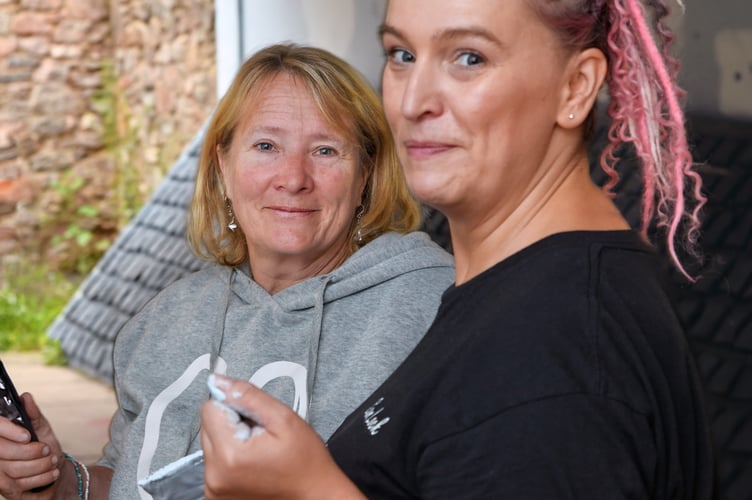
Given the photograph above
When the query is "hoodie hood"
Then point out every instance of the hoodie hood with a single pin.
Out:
(383, 259)
(386, 257)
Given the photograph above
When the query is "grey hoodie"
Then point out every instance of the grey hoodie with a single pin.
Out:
(321, 346)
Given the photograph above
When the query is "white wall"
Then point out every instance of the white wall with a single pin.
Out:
(348, 28)
(714, 44)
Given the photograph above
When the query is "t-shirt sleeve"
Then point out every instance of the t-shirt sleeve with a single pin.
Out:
(572, 446)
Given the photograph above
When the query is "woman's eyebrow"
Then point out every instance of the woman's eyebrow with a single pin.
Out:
(267, 129)
(467, 31)
(448, 33)
(385, 29)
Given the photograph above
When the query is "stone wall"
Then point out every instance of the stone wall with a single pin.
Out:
(97, 100)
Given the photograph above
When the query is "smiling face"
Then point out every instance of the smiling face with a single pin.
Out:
(472, 91)
(293, 180)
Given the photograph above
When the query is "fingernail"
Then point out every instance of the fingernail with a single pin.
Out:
(54, 459)
(222, 381)
(216, 385)
(46, 451)
(55, 473)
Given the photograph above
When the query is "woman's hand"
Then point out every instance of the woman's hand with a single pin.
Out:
(280, 457)
(25, 464)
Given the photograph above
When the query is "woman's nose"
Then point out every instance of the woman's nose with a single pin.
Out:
(294, 174)
(421, 93)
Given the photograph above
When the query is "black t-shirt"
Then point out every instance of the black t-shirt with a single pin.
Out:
(561, 372)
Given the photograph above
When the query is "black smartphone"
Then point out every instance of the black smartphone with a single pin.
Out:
(11, 406)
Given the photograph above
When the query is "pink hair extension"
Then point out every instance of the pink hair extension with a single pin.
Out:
(630, 88)
(644, 107)
(643, 92)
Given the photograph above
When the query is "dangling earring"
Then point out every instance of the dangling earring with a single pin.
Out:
(358, 230)
(232, 225)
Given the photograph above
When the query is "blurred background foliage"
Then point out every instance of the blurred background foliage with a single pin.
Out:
(30, 299)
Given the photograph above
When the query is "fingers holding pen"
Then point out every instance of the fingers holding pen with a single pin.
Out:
(279, 456)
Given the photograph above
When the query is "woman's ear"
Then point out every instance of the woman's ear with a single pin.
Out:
(586, 73)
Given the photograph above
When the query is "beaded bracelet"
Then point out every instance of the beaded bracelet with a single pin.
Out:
(88, 480)
(79, 477)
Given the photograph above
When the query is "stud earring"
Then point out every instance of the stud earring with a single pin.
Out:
(232, 225)
(571, 116)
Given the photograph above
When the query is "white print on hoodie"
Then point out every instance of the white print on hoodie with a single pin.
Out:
(264, 375)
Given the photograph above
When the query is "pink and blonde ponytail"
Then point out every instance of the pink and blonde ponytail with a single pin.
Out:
(644, 107)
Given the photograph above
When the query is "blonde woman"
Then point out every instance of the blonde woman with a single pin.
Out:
(321, 286)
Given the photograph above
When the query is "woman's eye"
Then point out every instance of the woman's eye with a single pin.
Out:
(470, 59)
(326, 151)
(400, 56)
(264, 146)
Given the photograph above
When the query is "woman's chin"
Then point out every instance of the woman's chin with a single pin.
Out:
(304, 248)
(433, 193)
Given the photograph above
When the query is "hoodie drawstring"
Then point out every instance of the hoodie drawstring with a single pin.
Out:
(216, 341)
(220, 322)
(315, 340)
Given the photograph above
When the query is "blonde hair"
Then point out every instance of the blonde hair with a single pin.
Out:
(348, 103)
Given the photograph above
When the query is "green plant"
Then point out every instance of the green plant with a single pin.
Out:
(75, 238)
(121, 141)
(80, 226)
(30, 299)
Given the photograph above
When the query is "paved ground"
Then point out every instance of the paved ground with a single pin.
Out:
(78, 407)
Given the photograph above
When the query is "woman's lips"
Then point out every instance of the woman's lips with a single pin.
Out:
(291, 211)
(426, 149)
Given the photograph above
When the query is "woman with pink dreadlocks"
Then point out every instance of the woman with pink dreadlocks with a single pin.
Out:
(556, 367)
